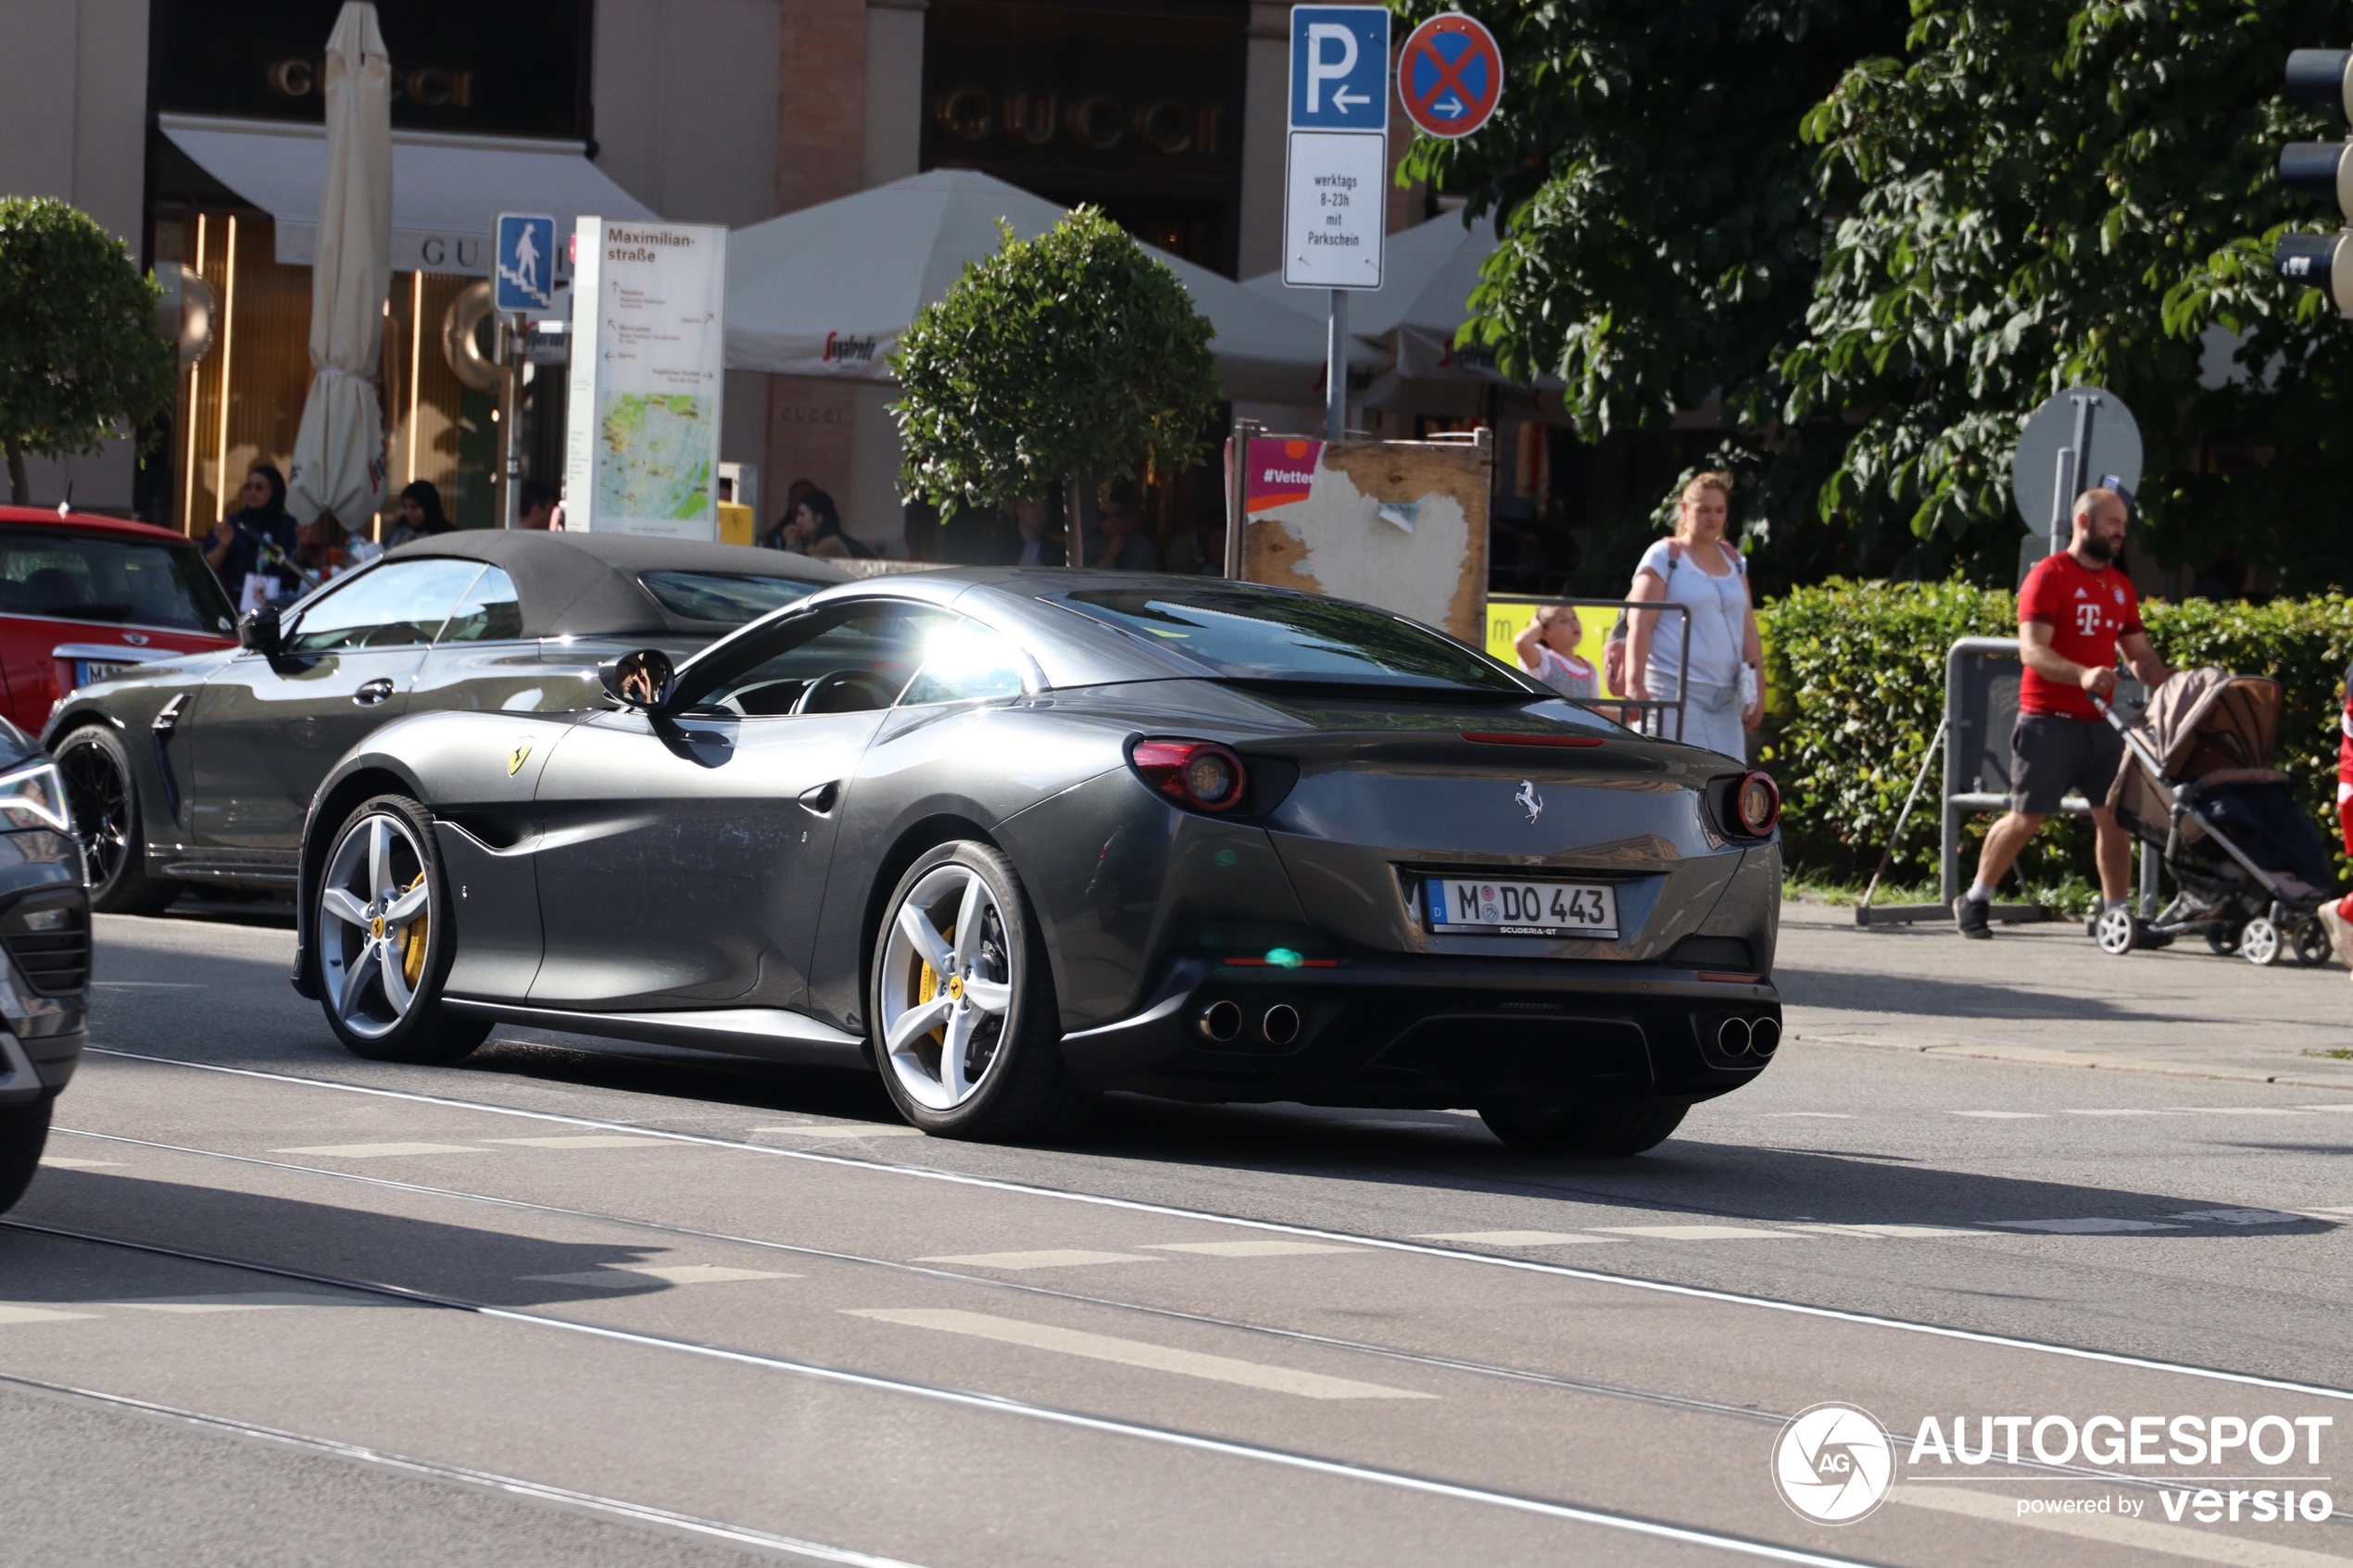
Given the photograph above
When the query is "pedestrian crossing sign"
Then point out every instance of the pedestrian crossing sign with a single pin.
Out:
(525, 280)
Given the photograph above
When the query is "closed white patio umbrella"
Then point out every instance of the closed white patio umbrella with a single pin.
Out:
(827, 291)
(339, 453)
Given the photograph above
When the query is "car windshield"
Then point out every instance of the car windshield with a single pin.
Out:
(72, 575)
(1242, 634)
(721, 595)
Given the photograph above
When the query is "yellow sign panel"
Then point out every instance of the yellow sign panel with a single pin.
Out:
(1506, 618)
(735, 523)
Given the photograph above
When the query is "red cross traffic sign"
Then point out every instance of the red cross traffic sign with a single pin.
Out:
(1450, 75)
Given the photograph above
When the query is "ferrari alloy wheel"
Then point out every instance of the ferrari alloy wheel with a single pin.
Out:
(2260, 942)
(97, 769)
(383, 938)
(1612, 1131)
(965, 1024)
(2116, 931)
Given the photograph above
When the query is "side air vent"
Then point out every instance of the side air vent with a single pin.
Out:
(47, 935)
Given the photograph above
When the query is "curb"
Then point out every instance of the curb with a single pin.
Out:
(2028, 1056)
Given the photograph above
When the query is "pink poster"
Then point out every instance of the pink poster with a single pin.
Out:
(1281, 469)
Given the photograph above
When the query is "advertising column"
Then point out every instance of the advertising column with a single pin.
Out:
(647, 363)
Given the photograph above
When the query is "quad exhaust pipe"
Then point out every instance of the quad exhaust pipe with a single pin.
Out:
(1219, 1022)
(1738, 1038)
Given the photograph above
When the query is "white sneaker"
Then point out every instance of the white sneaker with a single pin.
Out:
(2340, 932)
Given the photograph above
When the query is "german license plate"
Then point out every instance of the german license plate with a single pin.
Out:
(1522, 908)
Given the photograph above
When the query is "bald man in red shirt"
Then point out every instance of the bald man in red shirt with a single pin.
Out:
(2076, 610)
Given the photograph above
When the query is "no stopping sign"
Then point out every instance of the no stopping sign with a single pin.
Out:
(1450, 75)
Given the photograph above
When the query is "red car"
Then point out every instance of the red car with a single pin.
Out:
(82, 597)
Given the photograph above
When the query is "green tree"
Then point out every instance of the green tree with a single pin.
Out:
(1660, 218)
(80, 361)
(2050, 194)
(1071, 355)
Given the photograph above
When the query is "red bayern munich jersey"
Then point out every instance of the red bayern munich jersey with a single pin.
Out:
(2087, 611)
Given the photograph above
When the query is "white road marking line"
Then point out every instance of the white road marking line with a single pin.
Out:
(2241, 1216)
(382, 1150)
(2123, 1111)
(1276, 1227)
(2084, 1227)
(1051, 1258)
(2142, 1535)
(1898, 1233)
(62, 1163)
(12, 1311)
(629, 1276)
(2236, 1110)
(1816, 1115)
(236, 1301)
(1249, 1248)
(855, 1130)
(1512, 1238)
(2347, 1105)
(1135, 1353)
(1698, 1233)
(149, 985)
(2006, 1115)
(588, 1140)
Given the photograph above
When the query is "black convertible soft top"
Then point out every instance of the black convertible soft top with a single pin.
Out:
(586, 584)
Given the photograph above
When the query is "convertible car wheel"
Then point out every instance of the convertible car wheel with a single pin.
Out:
(1631, 1127)
(966, 1029)
(96, 770)
(385, 940)
(23, 1129)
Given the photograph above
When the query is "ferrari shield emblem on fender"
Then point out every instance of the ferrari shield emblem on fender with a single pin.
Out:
(518, 757)
(1529, 798)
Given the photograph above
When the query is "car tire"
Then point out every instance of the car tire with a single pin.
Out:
(380, 975)
(986, 1072)
(23, 1130)
(1613, 1131)
(97, 769)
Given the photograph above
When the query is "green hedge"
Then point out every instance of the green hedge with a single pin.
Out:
(1856, 677)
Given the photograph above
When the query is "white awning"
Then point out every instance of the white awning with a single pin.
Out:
(447, 191)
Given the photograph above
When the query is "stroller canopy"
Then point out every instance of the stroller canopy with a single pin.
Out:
(2203, 721)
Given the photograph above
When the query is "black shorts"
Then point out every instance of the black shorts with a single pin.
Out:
(2049, 755)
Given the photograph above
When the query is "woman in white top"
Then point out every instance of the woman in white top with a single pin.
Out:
(1723, 691)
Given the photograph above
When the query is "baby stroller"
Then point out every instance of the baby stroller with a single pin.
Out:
(2198, 786)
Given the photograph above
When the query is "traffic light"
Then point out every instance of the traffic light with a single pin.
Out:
(2320, 168)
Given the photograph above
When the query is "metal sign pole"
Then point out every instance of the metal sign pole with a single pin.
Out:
(510, 453)
(1336, 370)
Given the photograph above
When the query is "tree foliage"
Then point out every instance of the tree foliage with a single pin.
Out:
(1072, 354)
(80, 361)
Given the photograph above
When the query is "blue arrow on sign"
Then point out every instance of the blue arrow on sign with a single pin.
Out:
(1338, 68)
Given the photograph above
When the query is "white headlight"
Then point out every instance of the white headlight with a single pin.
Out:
(34, 797)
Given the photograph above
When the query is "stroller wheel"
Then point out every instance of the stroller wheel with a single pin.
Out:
(2224, 941)
(2260, 941)
(2117, 932)
(2311, 942)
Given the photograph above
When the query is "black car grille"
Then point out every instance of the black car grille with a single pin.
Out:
(47, 935)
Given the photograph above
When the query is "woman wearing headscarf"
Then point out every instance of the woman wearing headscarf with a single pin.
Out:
(258, 534)
(421, 515)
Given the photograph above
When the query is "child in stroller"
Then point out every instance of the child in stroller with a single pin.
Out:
(2198, 786)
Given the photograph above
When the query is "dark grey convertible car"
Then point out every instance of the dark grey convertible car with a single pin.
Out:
(45, 934)
(1012, 837)
(198, 769)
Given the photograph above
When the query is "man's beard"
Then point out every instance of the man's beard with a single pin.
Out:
(2099, 549)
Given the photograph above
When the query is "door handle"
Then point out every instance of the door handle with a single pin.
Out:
(821, 799)
(374, 693)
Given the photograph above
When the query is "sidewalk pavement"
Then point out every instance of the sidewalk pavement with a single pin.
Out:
(2046, 994)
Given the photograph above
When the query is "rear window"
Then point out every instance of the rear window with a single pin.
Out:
(76, 576)
(1245, 635)
(720, 596)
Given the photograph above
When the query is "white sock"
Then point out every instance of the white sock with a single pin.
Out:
(1979, 892)
(2114, 903)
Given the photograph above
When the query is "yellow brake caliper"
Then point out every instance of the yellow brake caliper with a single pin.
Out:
(413, 949)
(927, 986)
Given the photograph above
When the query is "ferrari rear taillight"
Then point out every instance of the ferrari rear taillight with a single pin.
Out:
(1200, 773)
(1758, 804)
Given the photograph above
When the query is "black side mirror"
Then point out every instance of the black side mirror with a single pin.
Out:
(643, 679)
(258, 632)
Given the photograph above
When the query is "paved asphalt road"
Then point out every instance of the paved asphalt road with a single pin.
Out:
(635, 1306)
